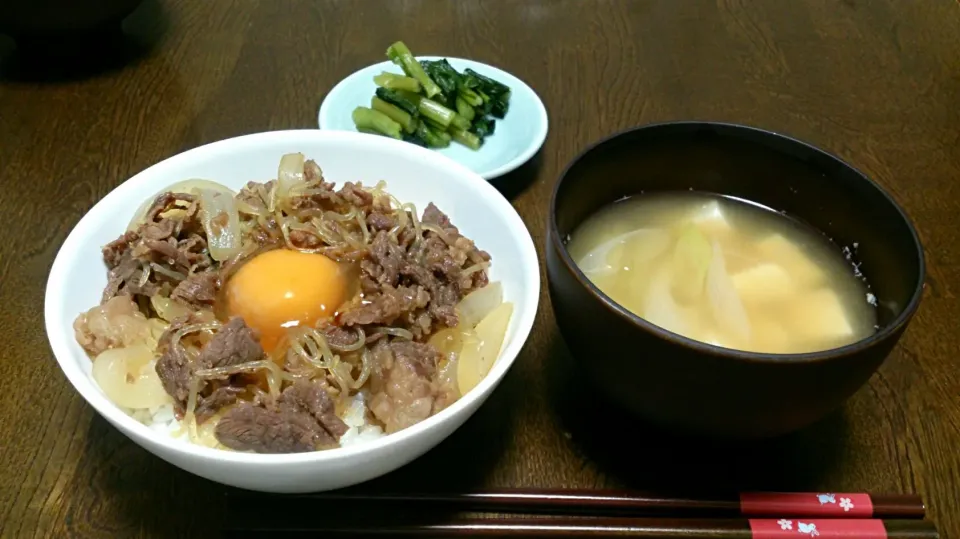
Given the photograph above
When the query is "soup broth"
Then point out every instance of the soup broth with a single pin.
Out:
(725, 272)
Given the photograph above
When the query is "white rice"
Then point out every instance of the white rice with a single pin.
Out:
(163, 421)
(356, 418)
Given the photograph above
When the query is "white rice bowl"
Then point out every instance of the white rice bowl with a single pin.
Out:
(412, 174)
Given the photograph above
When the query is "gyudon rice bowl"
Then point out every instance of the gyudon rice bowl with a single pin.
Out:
(290, 316)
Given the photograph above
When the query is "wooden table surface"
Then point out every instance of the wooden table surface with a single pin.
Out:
(875, 81)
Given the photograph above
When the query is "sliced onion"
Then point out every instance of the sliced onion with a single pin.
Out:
(289, 174)
(246, 208)
(221, 222)
(175, 275)
(479, 266)
(642, 247)
(691, 258)
(479, 303)
(157, 328)
(186, 186)
(449, 340)
(128, 377)
(661, 309)
(481, 350)
(725, 302)
(168, 309)
(623, 252)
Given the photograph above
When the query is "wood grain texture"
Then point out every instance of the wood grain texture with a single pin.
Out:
(874, 81)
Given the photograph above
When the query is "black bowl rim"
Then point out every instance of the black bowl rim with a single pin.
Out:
(730, 353)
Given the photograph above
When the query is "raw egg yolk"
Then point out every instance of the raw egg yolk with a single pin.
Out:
(281, 289)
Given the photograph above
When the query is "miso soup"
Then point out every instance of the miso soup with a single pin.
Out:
(725, 272)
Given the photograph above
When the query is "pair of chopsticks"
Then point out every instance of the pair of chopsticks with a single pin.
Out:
(582, 513)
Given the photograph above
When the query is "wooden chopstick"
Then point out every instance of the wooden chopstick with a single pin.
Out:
(623, 503)
(616, 527)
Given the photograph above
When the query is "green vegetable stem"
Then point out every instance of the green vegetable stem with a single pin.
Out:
(396, 82)
(431, 137)
(374, 120)
(405, 101)
(466, 138)
(442, 115)
(406, 121)
(401, 55)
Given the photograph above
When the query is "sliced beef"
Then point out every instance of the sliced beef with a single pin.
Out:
(311, 171)
(311, 397)
(125, 270)
(113, 252)
(159, 231)
(135, 285)
(403, 396)
(305, 240)
(194, 251)
(443, 296)
(380, 221)
(435, 264)
(445, 300)
(174, 369)
(387, 307)
(387, 258)
(251, 196)
(440, 260)
(355, 195)
(168, 243)
(322, 197)
(422, 357)
(164, 251)
(381, 203)
(223, 396)
(339, 338)
(198, 290)
(233, 344)
(433, 216)
(368, 286)
(162, 203)
(247, 427)
(302, 419)
(116, 323)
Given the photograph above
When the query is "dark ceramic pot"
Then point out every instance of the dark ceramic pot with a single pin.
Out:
(700, 389)
(59, 18)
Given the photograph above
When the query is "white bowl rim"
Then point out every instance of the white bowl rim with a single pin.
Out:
(60, 338)
(543, 121)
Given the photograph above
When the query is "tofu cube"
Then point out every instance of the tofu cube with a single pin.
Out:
(769, 336)
(818, 316)
(779, 249)
(764, 283)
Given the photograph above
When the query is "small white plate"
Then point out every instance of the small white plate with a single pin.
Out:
(516, 137)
